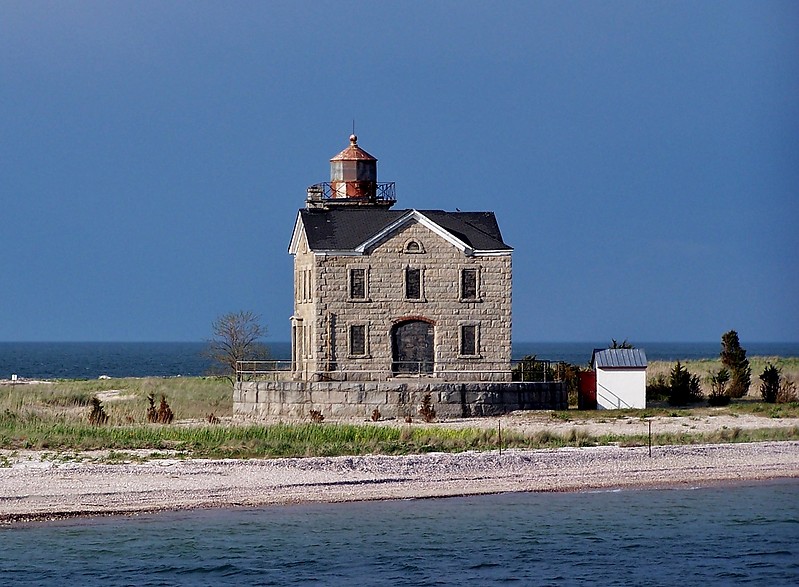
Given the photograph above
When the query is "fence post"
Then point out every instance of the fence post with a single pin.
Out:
(499, 433)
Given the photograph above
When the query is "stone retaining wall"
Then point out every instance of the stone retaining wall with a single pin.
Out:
(393, 399)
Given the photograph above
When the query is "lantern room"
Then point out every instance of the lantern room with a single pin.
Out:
(353, 173)
(353, 181)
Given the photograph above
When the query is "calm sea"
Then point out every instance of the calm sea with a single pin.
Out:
(722, 535)
(89, 360)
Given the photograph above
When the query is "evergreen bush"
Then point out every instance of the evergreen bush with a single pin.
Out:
(734, 358)
(770, 386)
(719, 395)
(658, 388)
(684, 388)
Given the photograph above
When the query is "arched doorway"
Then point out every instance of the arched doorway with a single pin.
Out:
(412, 347)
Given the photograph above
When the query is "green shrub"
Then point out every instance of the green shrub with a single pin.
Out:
(684, 388)
(734, 358)
(718, 388)
(770, 386)
(658, 388)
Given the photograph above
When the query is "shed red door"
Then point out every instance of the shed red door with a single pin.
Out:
(586, 398)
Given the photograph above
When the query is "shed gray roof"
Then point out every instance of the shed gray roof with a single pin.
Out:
(342, 229)
(619, 358)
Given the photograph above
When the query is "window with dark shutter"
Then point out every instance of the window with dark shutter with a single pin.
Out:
(358, 284)
(358, 339)
(413, 284)
(468, 340)
(469, 284)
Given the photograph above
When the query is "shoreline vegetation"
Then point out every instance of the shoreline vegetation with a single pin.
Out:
(54, 416)
(52, 460)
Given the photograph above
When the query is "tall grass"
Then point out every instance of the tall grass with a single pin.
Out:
(189, 397)
(54, 417)
(704, 368)
(297, 440)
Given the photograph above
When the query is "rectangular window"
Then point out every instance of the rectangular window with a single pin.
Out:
(358, 284)
(469, 339)
(413, 284)
(468, 284)
(357, 339)
(304, 279)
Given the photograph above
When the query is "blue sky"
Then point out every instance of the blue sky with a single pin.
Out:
(642, 157)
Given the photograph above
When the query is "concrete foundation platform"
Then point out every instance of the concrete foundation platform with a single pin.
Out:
(394, 399)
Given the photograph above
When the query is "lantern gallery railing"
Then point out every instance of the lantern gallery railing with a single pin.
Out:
(525, 370)
(382, 192)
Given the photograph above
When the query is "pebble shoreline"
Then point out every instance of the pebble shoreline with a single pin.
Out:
(33, 488)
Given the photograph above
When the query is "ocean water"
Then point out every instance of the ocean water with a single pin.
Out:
(719, 535)
(89, 360)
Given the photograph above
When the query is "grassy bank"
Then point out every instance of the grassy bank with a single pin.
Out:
(296, 440)
(53, 416)
(124, 400)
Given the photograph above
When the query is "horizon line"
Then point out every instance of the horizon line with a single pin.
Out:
(289, 342)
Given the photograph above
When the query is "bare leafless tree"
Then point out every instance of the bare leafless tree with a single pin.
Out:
(236, 337)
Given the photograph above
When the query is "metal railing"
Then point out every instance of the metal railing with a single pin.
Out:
(538, 370)
(383, 192)
(525, 370)
(265, 370)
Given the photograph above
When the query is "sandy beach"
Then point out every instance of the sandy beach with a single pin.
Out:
(35, 486)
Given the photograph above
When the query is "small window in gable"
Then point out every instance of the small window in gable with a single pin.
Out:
(413, 247)
(413, 284)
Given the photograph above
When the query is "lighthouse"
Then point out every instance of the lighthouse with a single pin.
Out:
(394, 308)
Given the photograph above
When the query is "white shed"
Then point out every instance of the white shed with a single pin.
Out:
(620, 378)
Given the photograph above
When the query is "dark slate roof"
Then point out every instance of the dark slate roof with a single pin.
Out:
(344, 229)
(619, 358)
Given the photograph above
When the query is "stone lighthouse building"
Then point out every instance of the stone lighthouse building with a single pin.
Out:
(392, 308)
(383, 293)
